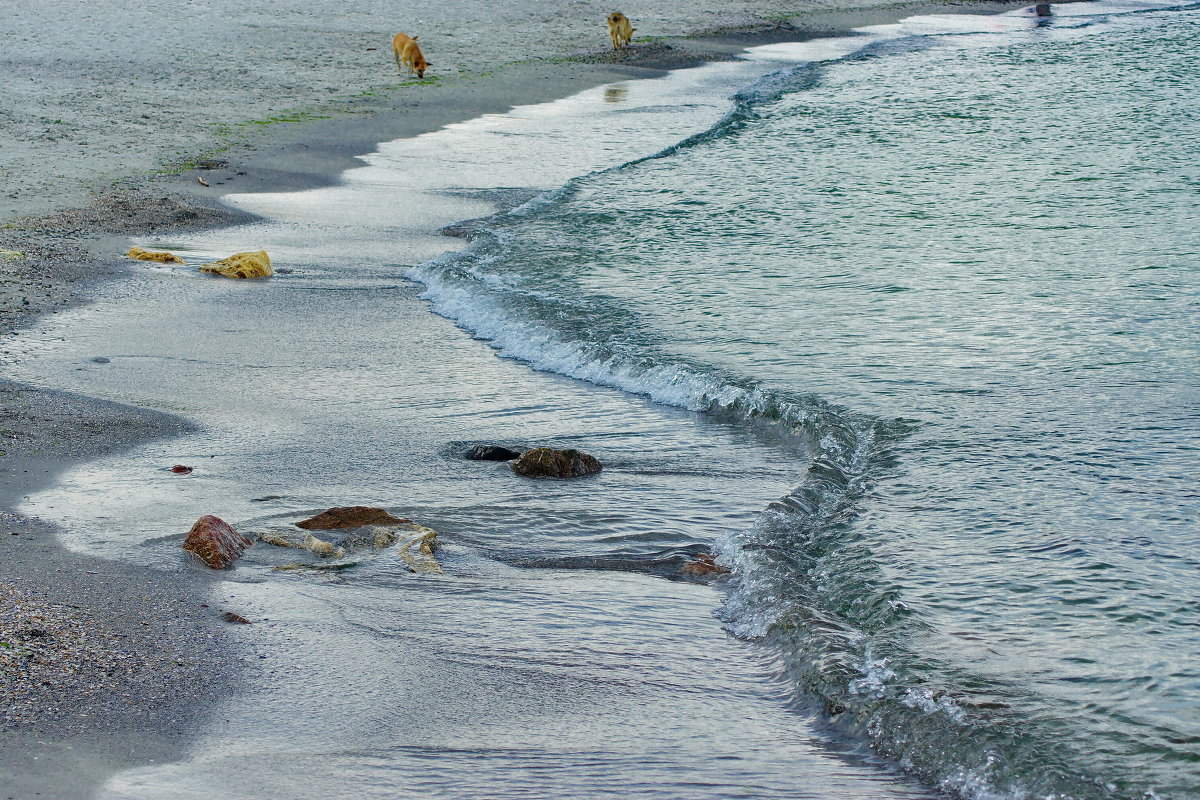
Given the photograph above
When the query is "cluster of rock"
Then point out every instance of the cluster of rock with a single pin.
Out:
(255, 264)
(351, 529)
(540, 462)
(217, 544)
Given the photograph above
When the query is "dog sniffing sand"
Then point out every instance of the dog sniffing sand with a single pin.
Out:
(408, 53)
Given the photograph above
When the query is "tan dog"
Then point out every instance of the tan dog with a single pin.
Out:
(620, 29)
(407, 52)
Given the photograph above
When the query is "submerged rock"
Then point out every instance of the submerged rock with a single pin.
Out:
(375, 537)
(545, 462)
(417, 552)
(215, 542)
(321, 547)
(160, 256)
(300, 566)
(704, 567)
(349, 517)
(309, 542)
(491, 452)
(242, 265)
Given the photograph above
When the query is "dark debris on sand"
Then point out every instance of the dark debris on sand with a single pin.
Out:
(651, 55)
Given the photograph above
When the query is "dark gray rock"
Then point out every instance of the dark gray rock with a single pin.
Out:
(491, 452)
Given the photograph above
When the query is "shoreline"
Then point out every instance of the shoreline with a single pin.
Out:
(65, 253)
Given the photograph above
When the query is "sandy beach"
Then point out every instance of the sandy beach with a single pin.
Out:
(134, 120)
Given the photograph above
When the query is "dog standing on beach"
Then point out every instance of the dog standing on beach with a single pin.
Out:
(620, 29)
(408, 53)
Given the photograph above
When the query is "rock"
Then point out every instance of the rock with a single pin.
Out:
(705, 567)
(376, 537)
(242, 265)
(153, 255)
(545, 462)
(230, 616)
(215, 542)
(180, 469)
(300, 566)
(280, 541)
(417, 552)
(321, 547)
(349, 517)
(491, 452)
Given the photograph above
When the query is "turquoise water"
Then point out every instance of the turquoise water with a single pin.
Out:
(964, 269)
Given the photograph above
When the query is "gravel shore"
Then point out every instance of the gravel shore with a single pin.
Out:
(116, 114)
(102, 664)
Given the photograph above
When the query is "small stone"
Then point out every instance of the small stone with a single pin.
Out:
(230, 616)
(180, 469)
(349, 517)
(215, 542)
(545, 462)
(491, 452)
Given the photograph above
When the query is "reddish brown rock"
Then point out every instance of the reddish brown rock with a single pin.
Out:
(705, 567)
(349, 517)
(215, 542)
(180, 469)
(545, 462)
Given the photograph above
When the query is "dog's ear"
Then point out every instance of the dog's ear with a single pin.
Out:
(415, 38)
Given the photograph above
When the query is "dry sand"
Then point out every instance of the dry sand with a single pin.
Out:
(111, 111)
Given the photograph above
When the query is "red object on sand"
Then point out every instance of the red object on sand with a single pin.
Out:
(180, 469)
(215, 542)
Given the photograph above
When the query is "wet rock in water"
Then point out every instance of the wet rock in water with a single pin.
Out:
(161, 257)
(491, 452)
(417, 552)
(280, 541)
(242, 265)
(321, 547)
(230, 616)
(545, 462)
(376, 537)
(180, 469)
(349, 517)
(704, 567)
(215, 542)
(300, 566)
(311, 543)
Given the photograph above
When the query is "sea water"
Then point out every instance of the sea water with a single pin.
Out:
(903, 325)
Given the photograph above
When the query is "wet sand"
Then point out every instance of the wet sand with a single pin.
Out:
(76, 193)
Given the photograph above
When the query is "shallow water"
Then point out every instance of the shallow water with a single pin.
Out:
(909, 334)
